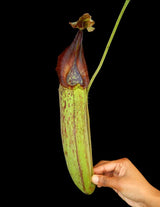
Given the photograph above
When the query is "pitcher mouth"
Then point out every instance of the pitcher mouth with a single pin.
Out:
(74, 77)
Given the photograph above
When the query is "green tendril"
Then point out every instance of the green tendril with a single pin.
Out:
(109, 43)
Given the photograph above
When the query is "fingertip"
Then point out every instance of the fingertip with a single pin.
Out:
(95, 179)
(98, 170)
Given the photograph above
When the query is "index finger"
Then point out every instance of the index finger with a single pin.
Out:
(104, 167)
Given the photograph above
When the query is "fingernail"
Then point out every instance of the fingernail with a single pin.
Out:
(95, 179)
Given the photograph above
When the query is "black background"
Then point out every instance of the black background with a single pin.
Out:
(123, 100)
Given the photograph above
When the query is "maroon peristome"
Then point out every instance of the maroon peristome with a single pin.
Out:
(71, 65)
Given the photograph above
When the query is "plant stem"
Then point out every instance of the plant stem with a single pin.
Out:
(108, 44)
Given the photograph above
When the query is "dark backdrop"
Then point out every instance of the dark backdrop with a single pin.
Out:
(123, 101)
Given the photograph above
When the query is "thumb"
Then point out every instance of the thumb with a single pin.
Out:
(104, 181)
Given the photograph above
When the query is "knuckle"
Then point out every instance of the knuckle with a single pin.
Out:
(125, 159)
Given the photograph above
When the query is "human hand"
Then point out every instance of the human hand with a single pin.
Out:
(126, 180)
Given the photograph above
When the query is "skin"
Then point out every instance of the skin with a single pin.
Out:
(126, 180)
